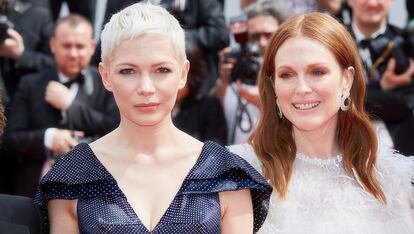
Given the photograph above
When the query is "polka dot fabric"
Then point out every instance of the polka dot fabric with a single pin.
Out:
(103, 208)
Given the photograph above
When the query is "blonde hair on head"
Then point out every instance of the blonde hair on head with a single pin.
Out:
(140, 19)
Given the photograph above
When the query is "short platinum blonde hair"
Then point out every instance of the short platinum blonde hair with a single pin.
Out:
(140, 19)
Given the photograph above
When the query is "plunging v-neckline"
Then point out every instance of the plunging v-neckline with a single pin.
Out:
(128, 205)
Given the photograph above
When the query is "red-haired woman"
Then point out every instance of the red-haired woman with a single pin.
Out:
(315, 142)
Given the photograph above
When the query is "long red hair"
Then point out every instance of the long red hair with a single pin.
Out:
(272, 139)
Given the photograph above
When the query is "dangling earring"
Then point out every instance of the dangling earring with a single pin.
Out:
(278, 109)
(345, 101)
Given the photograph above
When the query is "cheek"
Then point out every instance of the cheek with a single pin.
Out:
(333, 98)
(283, 93)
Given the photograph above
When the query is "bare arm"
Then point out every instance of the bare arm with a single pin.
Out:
(62, 216)
(236, 212)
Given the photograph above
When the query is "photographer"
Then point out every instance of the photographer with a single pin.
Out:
(389, 70)
(238, 68)
(57, 108)
(24, 32)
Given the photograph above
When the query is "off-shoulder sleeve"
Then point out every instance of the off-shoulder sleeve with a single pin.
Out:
(220, 170)
(246, 151)
(77, 174)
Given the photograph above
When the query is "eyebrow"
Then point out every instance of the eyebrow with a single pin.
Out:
(309, 65)
(134, 65)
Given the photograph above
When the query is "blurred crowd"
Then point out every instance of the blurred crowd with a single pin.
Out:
(54, 98)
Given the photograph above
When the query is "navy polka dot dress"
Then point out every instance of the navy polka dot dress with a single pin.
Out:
(103, 208)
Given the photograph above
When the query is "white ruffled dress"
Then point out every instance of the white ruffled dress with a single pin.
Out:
(323, 198)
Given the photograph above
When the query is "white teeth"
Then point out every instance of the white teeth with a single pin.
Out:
(306, 106)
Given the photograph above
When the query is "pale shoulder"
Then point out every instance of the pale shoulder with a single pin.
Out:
(246, 151)
(63, 216)
(103, 143)
(237, 211)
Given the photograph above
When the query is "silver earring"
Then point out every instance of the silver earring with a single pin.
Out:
(345, 101)
(279, 110)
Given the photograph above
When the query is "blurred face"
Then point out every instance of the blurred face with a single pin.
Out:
(332, 6)
(72, 48)
(309, 83)
(370, 13)
(144, 75)
(260, 29)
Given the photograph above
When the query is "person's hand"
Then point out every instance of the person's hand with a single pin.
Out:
(225, 66)
(390, 80)
(13, 46)
(58, 95)
(251, 94)
(64, 140)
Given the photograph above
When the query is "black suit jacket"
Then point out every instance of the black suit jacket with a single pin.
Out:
(19, 215)
(202, 118)
(93, 111)
(35, 25)
(393, 107)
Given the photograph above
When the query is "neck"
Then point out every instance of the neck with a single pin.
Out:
(146, 139)
(321, 143)
(369, 29)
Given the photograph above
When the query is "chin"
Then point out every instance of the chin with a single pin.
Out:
(308, 123)
(303, 127)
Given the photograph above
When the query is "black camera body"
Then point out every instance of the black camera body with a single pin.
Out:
(401, 47)
(5, 24)
(247, 55)
(248, 62)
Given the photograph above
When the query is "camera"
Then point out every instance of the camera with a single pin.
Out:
(5, 24)
(247, 55)
(401, 47)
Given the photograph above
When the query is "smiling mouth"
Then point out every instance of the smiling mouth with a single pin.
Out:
(306, 106)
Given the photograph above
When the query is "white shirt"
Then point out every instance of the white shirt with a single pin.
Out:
(232, 111)
(73, 89)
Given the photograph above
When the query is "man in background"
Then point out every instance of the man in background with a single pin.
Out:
(236, 84)
(390, 93)
(56, 109)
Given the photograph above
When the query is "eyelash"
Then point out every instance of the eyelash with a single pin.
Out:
(285, 75)
(126, 71)
(129, 71)
(163, 70)
(318, 72)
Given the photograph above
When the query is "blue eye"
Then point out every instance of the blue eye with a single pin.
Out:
(318, 72)
(285, 75)
(126, 71)
(163, 70)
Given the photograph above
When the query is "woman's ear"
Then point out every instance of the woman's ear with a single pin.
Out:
(104, 75)
(349, 75)
(184, 74)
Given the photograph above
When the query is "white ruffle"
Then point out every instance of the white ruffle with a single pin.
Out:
(323, 198)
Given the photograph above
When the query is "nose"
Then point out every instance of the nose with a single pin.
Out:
(146, 86)
(303, 87)
(372, 1)
(73, 52)
(263, 41)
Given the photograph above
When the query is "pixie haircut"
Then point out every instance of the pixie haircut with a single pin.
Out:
(140, 19)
